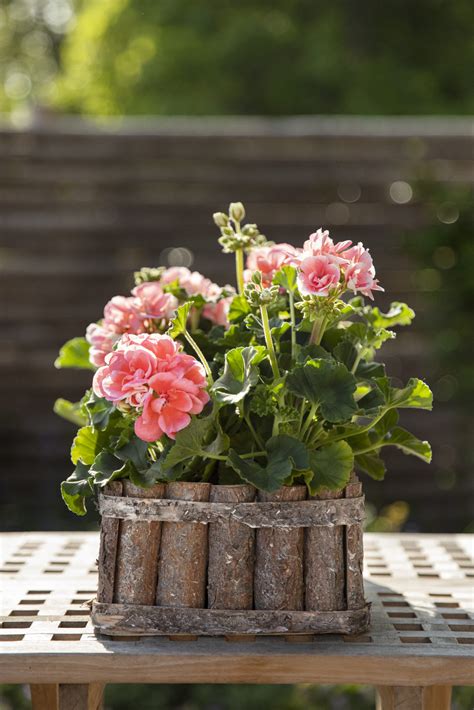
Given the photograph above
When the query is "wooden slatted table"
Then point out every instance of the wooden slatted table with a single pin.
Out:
(421, 641)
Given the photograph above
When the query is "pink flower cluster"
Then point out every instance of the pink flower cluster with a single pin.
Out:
(151, 374)
(134, 314)
(193, 283)
(149, 308)
(323, 266)
(269, 259)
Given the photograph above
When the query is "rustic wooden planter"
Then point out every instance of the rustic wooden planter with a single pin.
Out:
(193, 558)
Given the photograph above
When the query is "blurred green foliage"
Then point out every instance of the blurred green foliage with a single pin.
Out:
(232, 697)
(217, 57)
(444, 258)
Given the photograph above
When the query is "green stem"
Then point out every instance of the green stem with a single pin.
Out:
(309, 419)
(330, 440)
(200, 355)
(319, 327)
(254, 433)
(356, 362)
(216, 457)
(269, 342)
(293, 324)
(356, 452)
(239, 269)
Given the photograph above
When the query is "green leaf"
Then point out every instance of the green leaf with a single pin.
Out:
(366, 369)
(135, 451)
(372, 400)
(372, 464)
(327, 384)
(178, 324)
(286, 278)
(346, 352)
(86, 445)
(416, 395)
(398, 314)
(71, 411)
(285, 454)
(311, 352)
(332, 466)
(239, 308)
(240, 374)
(74, 353)
(99, 410)
(408, 443)
(189, 442)
(77, 488)
(107, 467)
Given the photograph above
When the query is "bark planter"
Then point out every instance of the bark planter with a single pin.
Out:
(193, 558)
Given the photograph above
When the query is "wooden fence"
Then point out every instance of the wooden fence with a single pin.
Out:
(81, 206)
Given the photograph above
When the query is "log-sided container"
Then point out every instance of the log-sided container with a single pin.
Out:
(193, 558)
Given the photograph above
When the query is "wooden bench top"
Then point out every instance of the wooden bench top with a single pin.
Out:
(421, 588)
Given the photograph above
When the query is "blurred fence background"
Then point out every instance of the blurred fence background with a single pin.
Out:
(82, 206)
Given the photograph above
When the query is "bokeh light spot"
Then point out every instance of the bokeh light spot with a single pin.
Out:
(444, 257)
(177, 256)
(447, 213)
(401, 192)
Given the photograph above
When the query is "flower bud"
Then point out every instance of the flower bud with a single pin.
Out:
(220, 219)
(147, 274)
(236, 211)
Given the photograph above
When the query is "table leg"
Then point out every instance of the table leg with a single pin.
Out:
(71, 696)
(431, 697)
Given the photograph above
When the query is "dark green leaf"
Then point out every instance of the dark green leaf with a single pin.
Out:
(332, 466)
(77, 488)
(346, 352)
(107, 467)
(135, 451)
(327, 384)
(372, 464)
(99, 410)
(285, 454)
(189, 442)
(74, 353)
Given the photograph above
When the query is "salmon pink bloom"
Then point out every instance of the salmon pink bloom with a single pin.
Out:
(101, 341)
(121, 315)
(360, 272)
(318, 275)
(153, 303)
(192, 282)
(269, 259)
(151, 374)
(320, 243)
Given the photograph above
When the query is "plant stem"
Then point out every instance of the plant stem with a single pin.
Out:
(330, 440)
(319, 327)
(254, 433)
(376, 447)
(216, 457)
(200, 355)
(239, 269)
(269, 342)
(356, 362)
(293, 324)
(309, 419)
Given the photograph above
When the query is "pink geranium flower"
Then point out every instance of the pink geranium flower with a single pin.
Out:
(151, 374)
(269, 259)
(360, 272)
(192, 282)
(318, 275)
(320, 243)
(153, 303)
(102, 341)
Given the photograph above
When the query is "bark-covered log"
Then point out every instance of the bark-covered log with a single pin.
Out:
(324, 565)
(354, 553)
(137, 556)
(286, 514)
(231, 554)
(278, 578)
(109, 532)
(183, 556)
(123, 619)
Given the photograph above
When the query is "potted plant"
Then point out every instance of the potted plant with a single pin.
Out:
(222, 433)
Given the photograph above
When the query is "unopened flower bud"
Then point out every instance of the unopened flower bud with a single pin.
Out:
(236, 211)
(147, 274)
(220, 219)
